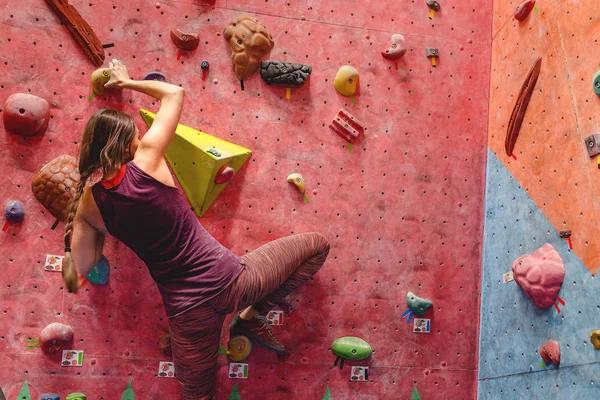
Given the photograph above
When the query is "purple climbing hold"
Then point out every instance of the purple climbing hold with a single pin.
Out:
(154, 76)
(14, 211)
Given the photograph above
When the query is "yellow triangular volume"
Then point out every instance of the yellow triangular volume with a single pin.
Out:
(202, 163)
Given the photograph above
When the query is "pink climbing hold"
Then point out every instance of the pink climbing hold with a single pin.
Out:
(550, 352)
(540, 275)
(25, 114)
(54, 337)
(396, 47)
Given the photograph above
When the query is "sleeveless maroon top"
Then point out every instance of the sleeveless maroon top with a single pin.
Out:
(154, 220)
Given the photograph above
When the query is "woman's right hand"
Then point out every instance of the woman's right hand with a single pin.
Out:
(118, 74)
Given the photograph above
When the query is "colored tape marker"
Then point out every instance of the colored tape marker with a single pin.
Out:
(288, 93)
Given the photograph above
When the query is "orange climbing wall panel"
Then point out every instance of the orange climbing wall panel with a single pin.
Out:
(403, 211)
(552, 162)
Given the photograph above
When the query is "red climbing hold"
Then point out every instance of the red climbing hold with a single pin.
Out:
(347, 126)
(550, 352)
(26, 114)
(524, 9)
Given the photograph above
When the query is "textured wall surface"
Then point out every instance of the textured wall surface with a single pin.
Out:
(403, 210)
(549, 187)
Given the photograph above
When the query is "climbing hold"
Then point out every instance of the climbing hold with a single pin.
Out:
(433, 5)
(2, 397)
(195, 157)
(346, 80)
(540, 275)
(184, 41)
(396, 48)
(595, 339)
(25, 114)
(100, 274)
(518, 113)
(433, 54)
(298, 180)
(235, 393)
(596, 83)
(54, 336)
(79, 29)
(128, 393)
(249, 42)
(55, 184)
(284, 73)
(99, 78)
(592, 144)
(524, 9)
(238, 348)
(50, 396)
(350, 348)
(76, 396)
(565, 234)
(550, 352)
(14, 211)
(327, 394)
(417, 305)
(24, 393)
(204, 66)
(154, 76)
(415, 394)
(347, 126)
(224, 174)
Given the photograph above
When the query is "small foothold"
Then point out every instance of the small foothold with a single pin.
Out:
(224, 174)
(157, 5)
(303, 18)
(396, 47)
(100, 274)
(417, 305)
(346, 80)
(238, 348)
(565, 234)
(26, 114)
(524, 9)
(595, 339)
(432, 53)
(597, 83)
(204, 65)
(550, 352)
(184, 41)
(76, 396)
(461, 48)
(215, 81)
(433, 5)
(314, 192)
(540, 275)
(14, 211)
(470, 41)
(154, 76)
(297, 180)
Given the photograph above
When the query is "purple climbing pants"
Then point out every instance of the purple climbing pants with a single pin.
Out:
(271, 272)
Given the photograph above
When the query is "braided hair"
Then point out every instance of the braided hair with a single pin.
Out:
(104, 146)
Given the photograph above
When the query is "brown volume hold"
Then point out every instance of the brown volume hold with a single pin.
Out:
(518, 113)
(80, 30)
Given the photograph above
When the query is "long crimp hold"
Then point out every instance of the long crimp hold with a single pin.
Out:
(80, 30)
(518, 113)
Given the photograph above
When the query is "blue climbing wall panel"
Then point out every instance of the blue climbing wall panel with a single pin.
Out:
(513, 328)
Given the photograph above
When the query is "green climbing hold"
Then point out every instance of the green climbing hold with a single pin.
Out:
(416, 304)
(597, 83)
(351, 348)
(415, 395)
(327, 395)
(235, 393)
(76, 396)
(24, 393)
(128, 393)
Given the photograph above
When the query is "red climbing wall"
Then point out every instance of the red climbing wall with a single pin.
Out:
(403, 211)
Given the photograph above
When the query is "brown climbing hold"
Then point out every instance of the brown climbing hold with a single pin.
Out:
(550, 352)
(79, 29)
(346, 80)
(26, 114)
(518, 113)
(249, 42)
(55, 184)
(185, 41)
(523, 10)
(396, 48)
(595, 339)
(565, 234)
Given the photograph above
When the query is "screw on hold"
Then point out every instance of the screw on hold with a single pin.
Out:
(204, 65)
(434, 5)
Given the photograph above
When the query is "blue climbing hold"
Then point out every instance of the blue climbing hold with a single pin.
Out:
(50, 396)
(14, 211)
(101, 272)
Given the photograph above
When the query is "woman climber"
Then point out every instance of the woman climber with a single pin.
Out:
(200, 280)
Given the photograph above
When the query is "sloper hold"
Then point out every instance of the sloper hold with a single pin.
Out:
(54, 336)
(347, 126)
(79, 29)
(540, 275)
(550, 352)
(351, 348)
(249, 42)
(417, 305)
(99, 78)
(592, 144)
(196, 158)
(185, 41)
(284, 73)
(346, 80)
(25, 114)
(55, 184)
(396, 47)
(523, 10)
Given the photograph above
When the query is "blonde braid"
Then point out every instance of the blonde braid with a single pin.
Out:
(69, 272)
